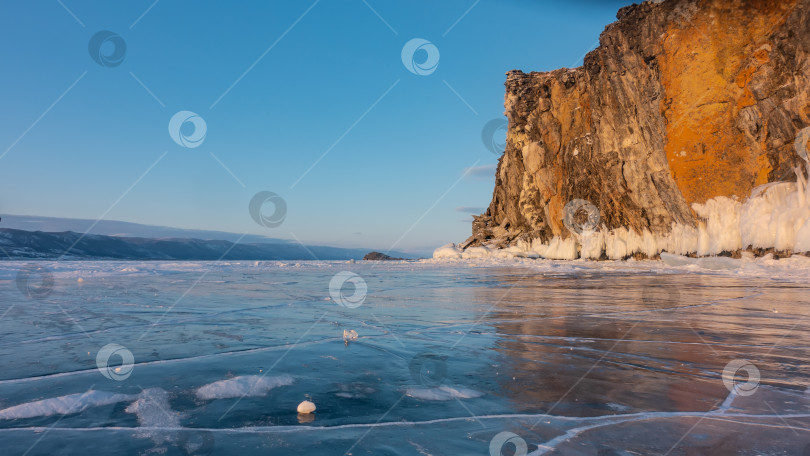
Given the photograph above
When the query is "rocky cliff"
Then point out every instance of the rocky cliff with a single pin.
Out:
(684, 104)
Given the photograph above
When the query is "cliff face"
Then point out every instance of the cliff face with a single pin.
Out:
(683, 101)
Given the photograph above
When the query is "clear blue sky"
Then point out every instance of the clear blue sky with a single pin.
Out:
(393, 176)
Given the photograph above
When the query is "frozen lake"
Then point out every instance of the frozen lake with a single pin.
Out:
(455, 358)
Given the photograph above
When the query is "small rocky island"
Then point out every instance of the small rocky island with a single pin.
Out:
(377, 256)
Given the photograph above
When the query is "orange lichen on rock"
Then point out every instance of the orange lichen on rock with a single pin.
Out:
(709, 59)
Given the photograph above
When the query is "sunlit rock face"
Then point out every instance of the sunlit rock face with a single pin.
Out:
(683, 101)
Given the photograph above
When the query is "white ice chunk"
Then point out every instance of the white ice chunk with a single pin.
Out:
(64, 405)
(247, 385)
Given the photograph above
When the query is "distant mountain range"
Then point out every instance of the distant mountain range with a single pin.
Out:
(122, 229)
(132, 241)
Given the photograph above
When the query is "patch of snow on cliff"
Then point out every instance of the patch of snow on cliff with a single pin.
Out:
(558, 249)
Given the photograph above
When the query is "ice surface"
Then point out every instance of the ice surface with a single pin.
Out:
(575, 357)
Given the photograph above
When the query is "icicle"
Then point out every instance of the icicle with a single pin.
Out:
(801, 183)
